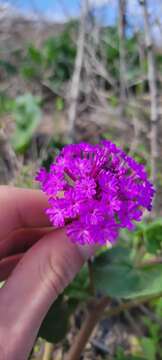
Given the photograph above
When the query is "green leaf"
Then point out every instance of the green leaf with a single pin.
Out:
(153, 329)
(27, 116)
(6, 104)
(120, 355)
(113, 101)
(34, 54)
(113, 272)
(79, 288)
(29, 71)
(153, 236)
(8, 67)
(149, 348)
(116, 275)
(55, 324)
(59, 104)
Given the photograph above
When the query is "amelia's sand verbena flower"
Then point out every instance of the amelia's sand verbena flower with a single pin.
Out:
(95, 190)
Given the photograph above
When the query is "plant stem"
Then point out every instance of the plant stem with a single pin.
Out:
(98, 311)
(93, 317)
(129, 305)
(48, 351)
(91, 278)
(150, 262)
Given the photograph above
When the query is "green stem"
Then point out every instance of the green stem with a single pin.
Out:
(91, 278)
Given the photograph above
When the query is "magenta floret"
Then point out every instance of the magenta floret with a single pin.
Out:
(95, 190)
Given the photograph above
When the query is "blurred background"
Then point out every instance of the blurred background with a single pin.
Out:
(74, 71)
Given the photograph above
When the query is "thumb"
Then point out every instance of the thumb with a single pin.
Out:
(41, 275)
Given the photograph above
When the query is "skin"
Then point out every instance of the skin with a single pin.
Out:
(37, 263)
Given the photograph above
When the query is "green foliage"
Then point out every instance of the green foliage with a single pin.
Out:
(147, 234)
(151, 344)
(34, 54)
(8, 68)
(27, 115)
(53, 63)
(153, 236)
(113, 272)
(52, 151)
(154, 330)
(140, 155)
(113, 101)
(149, 348)
(32, 63)
(79, 289)
(159, 61)
(6, 104)
(55, 324)
(58, 59)
(120, 355)
(157, 307)
(59, 104)
(117, 275)
(110, 47)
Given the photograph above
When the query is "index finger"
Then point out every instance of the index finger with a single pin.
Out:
(21, 208)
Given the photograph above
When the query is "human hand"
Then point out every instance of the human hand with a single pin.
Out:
(38, 263)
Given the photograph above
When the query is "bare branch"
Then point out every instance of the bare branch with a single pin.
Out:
(8, 160)
(122, 59)
(152, 78)
(90, 322)
(74, 90)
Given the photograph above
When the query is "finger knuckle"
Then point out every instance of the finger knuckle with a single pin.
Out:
(54, 274)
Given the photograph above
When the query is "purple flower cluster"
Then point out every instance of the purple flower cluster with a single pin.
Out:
(95, 190)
